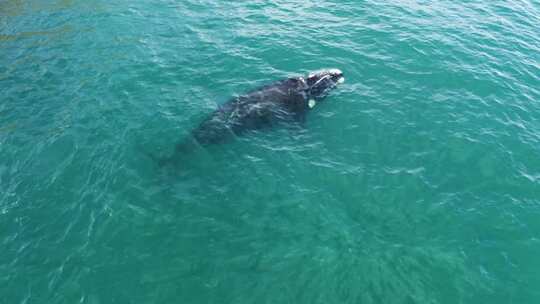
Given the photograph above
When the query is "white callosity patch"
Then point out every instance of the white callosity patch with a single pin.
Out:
(328, 71)
(335, 71)
(311, 103)
(341, 80)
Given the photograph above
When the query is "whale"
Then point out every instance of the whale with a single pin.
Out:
(284, 101)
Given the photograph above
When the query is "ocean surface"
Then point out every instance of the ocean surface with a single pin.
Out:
(416, 181)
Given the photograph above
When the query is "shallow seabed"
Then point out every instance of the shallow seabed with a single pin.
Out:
(417, 181)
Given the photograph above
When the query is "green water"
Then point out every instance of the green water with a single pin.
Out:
(417, 181)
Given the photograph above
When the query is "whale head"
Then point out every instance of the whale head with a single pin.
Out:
(320, 83)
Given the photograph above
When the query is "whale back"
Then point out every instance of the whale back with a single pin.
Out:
(285, 100)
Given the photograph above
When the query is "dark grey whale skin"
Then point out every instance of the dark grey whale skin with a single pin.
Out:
(285, 100)
(282, 101)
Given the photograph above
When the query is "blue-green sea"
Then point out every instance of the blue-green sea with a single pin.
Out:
(415, 181)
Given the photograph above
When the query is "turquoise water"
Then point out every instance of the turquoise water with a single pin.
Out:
(416, 181)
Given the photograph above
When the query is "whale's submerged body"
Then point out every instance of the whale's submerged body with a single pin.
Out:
(285, 100)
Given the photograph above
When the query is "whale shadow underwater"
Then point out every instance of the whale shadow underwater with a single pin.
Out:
(284, 101)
